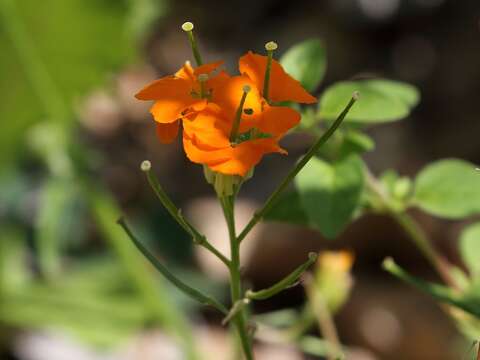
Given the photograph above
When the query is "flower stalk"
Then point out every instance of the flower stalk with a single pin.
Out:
(198, 238)
(283, 284)
(191, 292)
(271, 46)
(238, 115)
(188, 28)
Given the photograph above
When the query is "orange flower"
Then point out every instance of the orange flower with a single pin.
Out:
(282, 86)
(206, 139)
(179, 96)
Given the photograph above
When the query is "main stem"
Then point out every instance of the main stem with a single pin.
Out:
(239, 319)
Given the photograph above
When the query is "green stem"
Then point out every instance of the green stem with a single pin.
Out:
(284, 283)
(439, 292)
(194, 46)
(238, 116)
(327, 326)
(266, 81)
(177, 215)
(193, 293)
(291, 175)
(415, 233)
(239, 320)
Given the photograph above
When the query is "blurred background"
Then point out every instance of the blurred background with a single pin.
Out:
(72, 137)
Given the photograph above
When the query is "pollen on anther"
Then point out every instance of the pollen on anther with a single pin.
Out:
(356, 95)
(203, 77)
(271, 45)
(246, 88)
(146, 165)
(187, 26)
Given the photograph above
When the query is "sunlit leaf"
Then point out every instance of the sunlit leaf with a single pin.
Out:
(470, 248)
(448, 188)
(306, 62)
(380, 100)
(330, 193)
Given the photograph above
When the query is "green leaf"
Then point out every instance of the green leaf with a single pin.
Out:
(380, 100)
(448, 188)
(58, 222)
(470, 248)
(330, 193)
(306, 62)
(356, 142)
(288, 209)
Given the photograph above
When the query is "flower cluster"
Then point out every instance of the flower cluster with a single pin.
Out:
(229, 122)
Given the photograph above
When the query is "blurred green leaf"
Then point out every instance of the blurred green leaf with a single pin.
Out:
(380, 100)
(14, 271)
(330, 193)
(306, 62)
(288, 209)
(58, 222)
(53, 52)
(356, 142)
(448, 188)
(470, 248)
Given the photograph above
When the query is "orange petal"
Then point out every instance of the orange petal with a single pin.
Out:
(209, 128)
(166, 133)
(189, 73)
(199, 155)
(217, 81)
(186, 72)
(167, 87)
(245, 156)
(168, 110)
(282, 86)
(207, 68)
(277, 120)
(228, 96)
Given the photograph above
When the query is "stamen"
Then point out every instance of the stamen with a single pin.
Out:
(238, 115)
(188, 28)
(202, 78)
(271, 46)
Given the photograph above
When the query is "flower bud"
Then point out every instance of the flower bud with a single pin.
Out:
(332, 279)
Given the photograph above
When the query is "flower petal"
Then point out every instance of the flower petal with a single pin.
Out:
(207, 68)
(228, 96)
(199, 155)
(167, 87)
(209, 128)
(282, 86)
(245, 156)
(166, 133)
(277, 120)
(170, 109)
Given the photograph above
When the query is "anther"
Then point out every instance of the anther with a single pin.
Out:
(187, 26)
(271, 46)
(146, 165)
(356, 95)
(246, 88)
